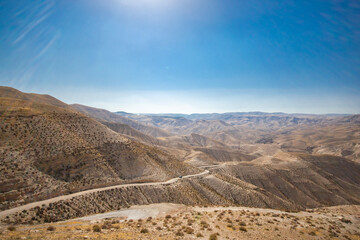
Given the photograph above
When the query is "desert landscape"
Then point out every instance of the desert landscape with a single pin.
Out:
(180, 119)
(74, 168)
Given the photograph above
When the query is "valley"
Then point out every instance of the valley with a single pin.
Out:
(61, 162)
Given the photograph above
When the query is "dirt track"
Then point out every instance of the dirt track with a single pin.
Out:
(66, 197)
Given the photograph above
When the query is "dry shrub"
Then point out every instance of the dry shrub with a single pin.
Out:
(96, 228)
(213, 236)
(144, 230)
(199, 235)
(51, 228)
(11, 228)
(243, 229)
(189, 230)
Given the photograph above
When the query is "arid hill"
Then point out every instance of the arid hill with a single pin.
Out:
(106, 116)
(48, 149)
(263, 133)
(277, 161)
(132, 133)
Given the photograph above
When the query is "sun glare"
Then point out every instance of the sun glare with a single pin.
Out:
(150, 4)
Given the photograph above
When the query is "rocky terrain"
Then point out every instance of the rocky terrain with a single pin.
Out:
(71, 161)
(180, 222)
(323, 134)
(48, 149)
(104, 115)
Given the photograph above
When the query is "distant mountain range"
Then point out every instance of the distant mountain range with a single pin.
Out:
(209, 116)
(269, 160)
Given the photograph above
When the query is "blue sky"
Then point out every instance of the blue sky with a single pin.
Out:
(185, 55)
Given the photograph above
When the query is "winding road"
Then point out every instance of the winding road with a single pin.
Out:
(66, 197)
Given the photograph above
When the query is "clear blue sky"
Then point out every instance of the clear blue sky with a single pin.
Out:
(186, 55)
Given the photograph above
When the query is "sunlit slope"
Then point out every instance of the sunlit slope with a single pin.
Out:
(106, 116)
(48, 149)
(302, 179)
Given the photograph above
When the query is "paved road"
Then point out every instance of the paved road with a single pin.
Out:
(66, 197)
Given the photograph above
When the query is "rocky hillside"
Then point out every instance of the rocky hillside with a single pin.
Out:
(288, 182)
(302, 179)
(48, 149)
(255, 132)
(132, 133)
(106, 116)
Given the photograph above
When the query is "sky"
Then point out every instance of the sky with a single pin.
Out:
(185, 56)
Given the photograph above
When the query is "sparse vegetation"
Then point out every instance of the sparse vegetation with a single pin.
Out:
(189, 230)
(11, 228)
(345, 220)
(96, 228)
(213, 236)
(50, 150)
(51, 228)
(144, 230)
(243, 229)
(176, 227)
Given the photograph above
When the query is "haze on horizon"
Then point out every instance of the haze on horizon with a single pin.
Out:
(185, 56)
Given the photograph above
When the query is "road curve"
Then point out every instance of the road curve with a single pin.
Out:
(66, 197)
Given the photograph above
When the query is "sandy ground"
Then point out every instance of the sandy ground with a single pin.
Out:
(138, 212)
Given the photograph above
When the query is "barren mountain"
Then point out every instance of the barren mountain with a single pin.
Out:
(302, 179)
(279, 161)
(264, 133)
(131, 133)
(181, 125)
(273, 121)
(339, 139)
(47, 149)
(104, 115)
